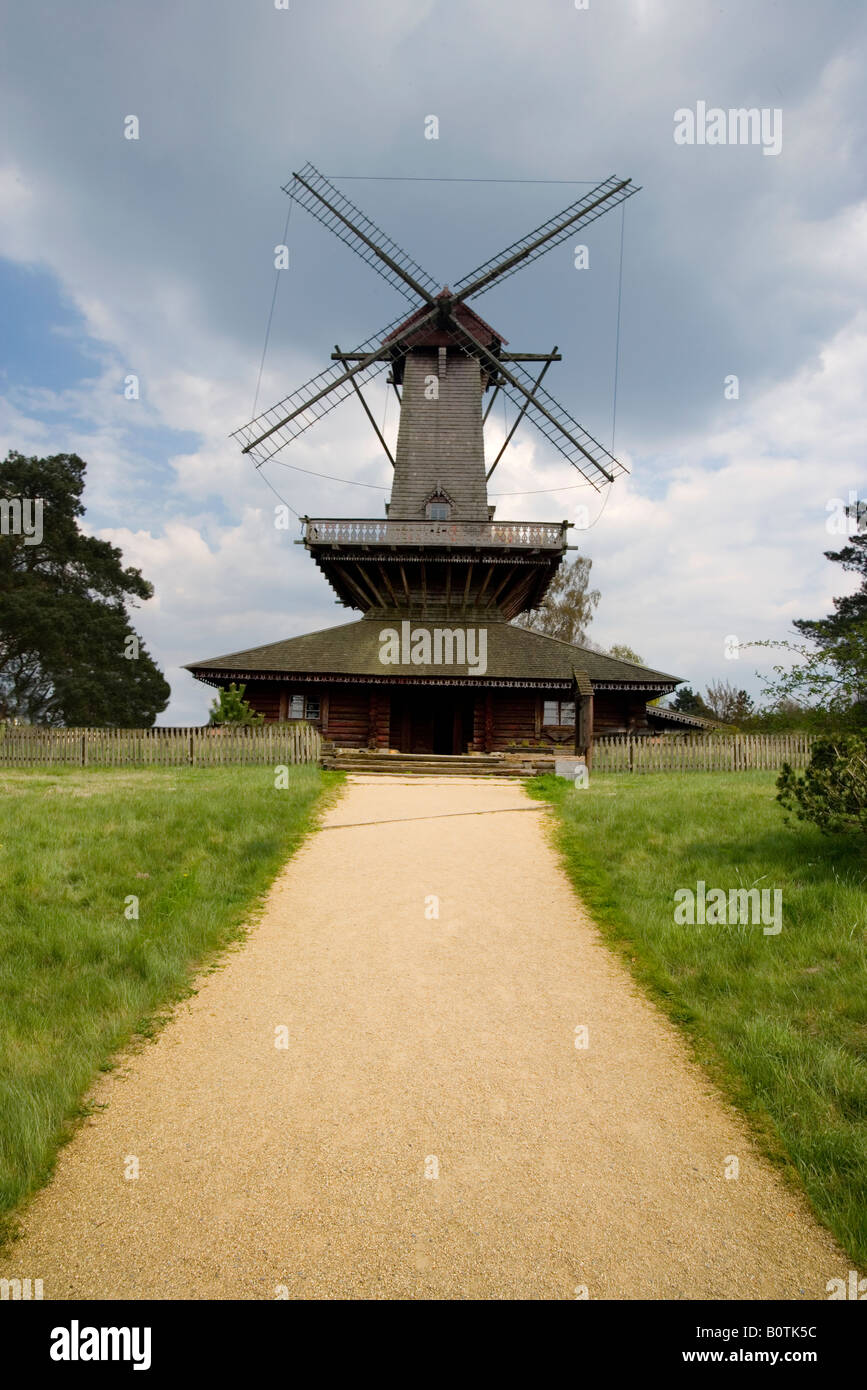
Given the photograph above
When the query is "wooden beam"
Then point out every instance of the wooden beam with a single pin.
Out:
(372, 717)
(347, 578)
(526, 591)
(486, 583)
(521, 413)
(385, 354)
(554, 356)
(587, 719)
(510, 574)
(516, 599)
(337, 356)
(377, 596)
(467, 585)
(358, 393)
(494, 396)
(384, 572)
(489, 722)
(583, 696)
(405, 585)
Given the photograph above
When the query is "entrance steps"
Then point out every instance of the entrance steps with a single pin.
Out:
(437, 764)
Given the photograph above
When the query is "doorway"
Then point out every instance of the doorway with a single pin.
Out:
(431, 721)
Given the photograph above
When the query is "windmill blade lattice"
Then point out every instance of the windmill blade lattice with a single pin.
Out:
(312, 190)
(270, 432)
(592, 460)
(284, 433)
(529, 248)
(584, 452)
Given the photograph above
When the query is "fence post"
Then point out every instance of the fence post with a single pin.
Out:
(192, 751)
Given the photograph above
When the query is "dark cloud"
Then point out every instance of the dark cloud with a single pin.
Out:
(733, 261)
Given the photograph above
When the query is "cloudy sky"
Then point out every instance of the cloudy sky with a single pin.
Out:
(155, 257)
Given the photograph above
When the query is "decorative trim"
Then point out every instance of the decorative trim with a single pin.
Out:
(634, 685)
(440, 494)
(312, 678)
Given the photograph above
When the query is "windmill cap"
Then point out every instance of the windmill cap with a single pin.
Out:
(428, 333)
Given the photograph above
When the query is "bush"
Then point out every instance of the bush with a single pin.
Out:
(833, 790)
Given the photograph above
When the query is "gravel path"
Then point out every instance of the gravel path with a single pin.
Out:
(419, 1046)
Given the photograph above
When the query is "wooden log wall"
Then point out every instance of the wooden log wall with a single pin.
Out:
(514, 718)
(349, 715)
(616, 712)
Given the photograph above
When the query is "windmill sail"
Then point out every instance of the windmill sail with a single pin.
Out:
(270, 432)
(598, 201)
(442, 313)
(312, 190)
(575, 443)
(561, 429)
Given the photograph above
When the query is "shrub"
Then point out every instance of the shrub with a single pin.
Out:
(832, 793)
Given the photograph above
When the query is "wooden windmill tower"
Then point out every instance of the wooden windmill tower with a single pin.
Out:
(438, 562)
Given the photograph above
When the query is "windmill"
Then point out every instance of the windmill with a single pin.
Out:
(444, 312)
(436, 665)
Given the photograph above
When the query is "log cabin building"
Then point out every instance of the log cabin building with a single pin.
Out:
(436, 663)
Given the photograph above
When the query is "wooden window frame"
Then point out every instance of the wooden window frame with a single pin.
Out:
(286, 701)
(560, 723)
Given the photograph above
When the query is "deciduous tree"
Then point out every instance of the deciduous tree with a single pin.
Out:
(567, 608)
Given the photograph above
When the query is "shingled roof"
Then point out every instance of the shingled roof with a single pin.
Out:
(514, 654)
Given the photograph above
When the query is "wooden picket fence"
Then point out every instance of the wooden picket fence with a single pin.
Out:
(700, 752)
(270, 744)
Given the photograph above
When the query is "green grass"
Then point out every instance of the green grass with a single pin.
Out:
(780, 1021)
(78, 979)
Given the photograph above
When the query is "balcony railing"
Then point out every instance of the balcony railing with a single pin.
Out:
(530, 534)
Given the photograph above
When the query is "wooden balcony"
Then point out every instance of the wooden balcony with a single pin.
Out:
(463, 535)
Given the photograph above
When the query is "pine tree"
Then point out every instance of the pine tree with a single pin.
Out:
(230, 707)
(68, 653)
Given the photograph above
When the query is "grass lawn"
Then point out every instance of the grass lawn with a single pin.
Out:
(781, 1021)
(78, 977)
